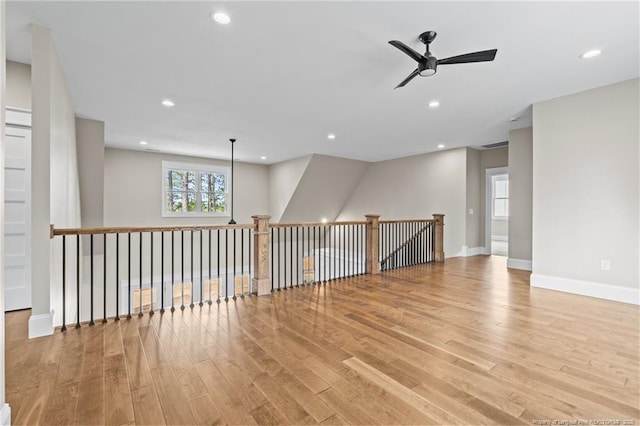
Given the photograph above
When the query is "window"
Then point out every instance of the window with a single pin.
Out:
(194, 189)
(500, 197)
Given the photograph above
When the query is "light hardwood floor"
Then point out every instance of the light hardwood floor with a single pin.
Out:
(464, 342)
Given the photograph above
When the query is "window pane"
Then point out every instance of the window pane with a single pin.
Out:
(191, 201)
(175, 180)
(501, 207)
(220, 182)
(204, 202)
(501, 189)
(219, 204)
(174, 202)
(191, 181)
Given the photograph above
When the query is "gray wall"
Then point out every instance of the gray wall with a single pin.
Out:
(416, 187)
(284, 178)
(133, 189)
(18, 85)
(324, 189)
(90, 145)
(474, 176)
(489, 159)
(520, 193)
(585, 191)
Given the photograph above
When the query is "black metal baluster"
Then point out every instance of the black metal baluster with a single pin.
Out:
(226, 262)
(201, 272)
(297, 256)
(242, 262)
(273, 255)
(191, 305)
(173, 295)
(291, 256)
(151, 275)
(304, 270)
(182, 270)
(218, 283)
(284, 265)
(210, 301)
(91, 280)
(64, 283)
(314, 257)
(162, 272)
(140, 313)
(117, 277)
(249, 256)
(129, 273)
(234, 263)
(104, 278)
(78, 281)
(278, 264)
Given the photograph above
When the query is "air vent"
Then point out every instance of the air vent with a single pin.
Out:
(496, 145)
(152, 150)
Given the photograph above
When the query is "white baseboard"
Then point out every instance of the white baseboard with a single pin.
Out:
(5, 415)
(499, 238)
(485, 250)
(587, 288)
(41, 325)
(519, 264)
(467, 252)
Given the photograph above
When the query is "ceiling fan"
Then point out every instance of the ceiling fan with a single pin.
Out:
(427, 63)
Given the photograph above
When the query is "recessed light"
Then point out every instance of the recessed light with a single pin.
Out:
(263, 158)
(591, 54)
(434, 104)
(220, 18)
(324, 220)
(512, 119)
(168, 103)
(440, 146)
(331, 136)
(143, 142)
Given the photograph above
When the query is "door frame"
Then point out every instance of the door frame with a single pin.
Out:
(489, 173)
(18, 118)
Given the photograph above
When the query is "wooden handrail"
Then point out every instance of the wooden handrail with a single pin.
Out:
(407, 221)
(128, 229)
(293, 225)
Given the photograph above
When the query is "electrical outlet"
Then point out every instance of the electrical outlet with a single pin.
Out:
(605, 265)
(470, 211)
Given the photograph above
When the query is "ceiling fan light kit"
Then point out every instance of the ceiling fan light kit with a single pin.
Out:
(428, 64)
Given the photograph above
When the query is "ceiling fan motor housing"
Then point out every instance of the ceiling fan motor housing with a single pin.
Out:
(427, 67)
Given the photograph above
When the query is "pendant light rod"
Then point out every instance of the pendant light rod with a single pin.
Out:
(232, 222)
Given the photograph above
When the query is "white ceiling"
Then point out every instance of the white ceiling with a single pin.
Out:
(283, 75)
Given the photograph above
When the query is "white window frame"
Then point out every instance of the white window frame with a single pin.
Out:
(494, 179)
(198, 168)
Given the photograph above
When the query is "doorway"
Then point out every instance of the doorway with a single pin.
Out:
(497, 211)
(17, 210)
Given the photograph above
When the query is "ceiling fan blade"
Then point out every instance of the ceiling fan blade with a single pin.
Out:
(483, 56)
(406, 49)
(408, 79)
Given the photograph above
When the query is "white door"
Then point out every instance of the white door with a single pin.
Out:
(17, 212)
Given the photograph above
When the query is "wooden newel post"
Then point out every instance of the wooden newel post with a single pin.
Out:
(439, 243)
(373, 263)
(261, 278)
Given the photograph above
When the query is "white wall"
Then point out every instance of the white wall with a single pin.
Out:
(520, 197)
(585, 192)
(284, 178)
(133, 190)
(416, 187)
(54, 184)
(18, 85)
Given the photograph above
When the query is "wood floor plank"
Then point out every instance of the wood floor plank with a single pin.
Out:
(466, 341)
